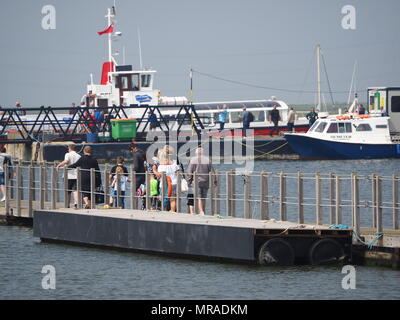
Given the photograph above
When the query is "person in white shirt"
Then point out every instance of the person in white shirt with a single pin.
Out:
(70, 158)
(5, 159)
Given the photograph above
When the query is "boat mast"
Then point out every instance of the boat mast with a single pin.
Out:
(318, 77)
(110, 14)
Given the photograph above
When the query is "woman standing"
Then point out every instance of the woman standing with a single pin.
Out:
(87, 162)
(170, 168)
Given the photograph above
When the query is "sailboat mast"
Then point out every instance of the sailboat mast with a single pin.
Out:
(318, 77)
(109, 38)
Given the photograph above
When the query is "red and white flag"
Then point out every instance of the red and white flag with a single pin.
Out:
(110, 29)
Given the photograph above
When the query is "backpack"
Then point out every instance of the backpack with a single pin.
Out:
(251, 117)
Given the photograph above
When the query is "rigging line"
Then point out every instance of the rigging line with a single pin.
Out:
(256, 86)
(327, 79)
(307, 74)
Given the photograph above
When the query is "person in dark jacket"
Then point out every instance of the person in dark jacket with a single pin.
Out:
(138, 164)
(247, 118)
(274, 116)
(87, 162)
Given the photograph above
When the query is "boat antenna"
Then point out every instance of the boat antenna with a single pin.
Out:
(327, 80)
(140, 49)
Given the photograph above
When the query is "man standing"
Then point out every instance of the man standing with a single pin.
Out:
(202, 166)
(153, 120)
(223, 114)
(291, 119)
(361, 110)
(312, 116)
(19, 106)
(138, 165)
(247, 117)
(274, 116)
(70, 158)
(5, 160)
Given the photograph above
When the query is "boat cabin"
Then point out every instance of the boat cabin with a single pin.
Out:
(386, 100)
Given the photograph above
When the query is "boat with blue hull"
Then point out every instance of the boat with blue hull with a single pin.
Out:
(347, 137)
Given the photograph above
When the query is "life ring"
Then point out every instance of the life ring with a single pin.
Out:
(343, 117)
(276, 251)
(364, 116)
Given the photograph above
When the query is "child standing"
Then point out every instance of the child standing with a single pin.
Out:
(119, 174)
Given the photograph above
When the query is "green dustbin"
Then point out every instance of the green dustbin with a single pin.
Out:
(123, 128)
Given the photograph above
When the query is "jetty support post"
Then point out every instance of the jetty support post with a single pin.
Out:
(195, 193)
(228, 193)
(211, 179)
(107, 194)
(163, 190)
(118, 182)
(264, 214)
(395, 199)
(300, 197)
(373, 200)
(147, 195)
(217, 193)
(282, 196)
(178, 200)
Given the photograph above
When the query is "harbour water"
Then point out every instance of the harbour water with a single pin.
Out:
(88, 273)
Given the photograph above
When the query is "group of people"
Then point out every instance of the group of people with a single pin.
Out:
(164, 164)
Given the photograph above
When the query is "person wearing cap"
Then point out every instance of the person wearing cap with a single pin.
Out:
(19, 106)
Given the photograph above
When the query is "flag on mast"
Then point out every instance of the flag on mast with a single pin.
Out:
(110, 29)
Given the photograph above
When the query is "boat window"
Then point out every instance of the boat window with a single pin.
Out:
(348, 127)
(381, 126)
(235, 117)
(259, 116)
(315, 124)
(321, 127)
(333, 128)
(135, 82)
(124, 83)
(342, 128)
(145, 80)
(395, 103)
(364, 127)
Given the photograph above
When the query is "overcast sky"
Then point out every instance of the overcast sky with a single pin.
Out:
(260, 42)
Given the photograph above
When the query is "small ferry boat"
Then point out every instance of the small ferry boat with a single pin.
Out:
(352, 136)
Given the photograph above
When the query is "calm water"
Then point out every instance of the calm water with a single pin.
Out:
(84, 273)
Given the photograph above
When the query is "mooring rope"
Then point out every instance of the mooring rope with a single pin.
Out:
(371, 243)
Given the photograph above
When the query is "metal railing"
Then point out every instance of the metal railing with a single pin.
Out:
(355, 200)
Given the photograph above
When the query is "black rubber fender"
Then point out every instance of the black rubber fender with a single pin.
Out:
(276, 251)
(325, 251)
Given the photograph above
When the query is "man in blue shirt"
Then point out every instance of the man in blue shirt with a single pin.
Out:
(223, 114)
(247, 117)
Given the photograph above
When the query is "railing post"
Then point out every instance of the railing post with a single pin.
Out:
(395, 198)
(300, 199)
(331, 198)
(31, 190)
(147, 182)
(18, 189)
(374, 204)
(118, 185)
(233, 193)
(355, 206)
(8, 193)
(178, 191)
(53, 187)
(67, 199)
(212, 191)
(228, 193)
(79, 186)
(379, 222)
(107, 193)
(134, 204)
(247, 191)
(318, 208)
(46, 184)
(217, 194)
(163, 189)
(338, 212)
(264, 214)
(282, 196)
(92, 188)
(195, 193)
(42, 187)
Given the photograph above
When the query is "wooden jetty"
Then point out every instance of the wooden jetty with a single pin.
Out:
(295, 210)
